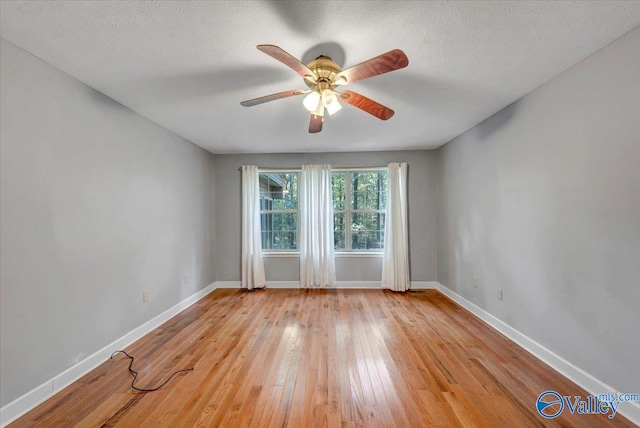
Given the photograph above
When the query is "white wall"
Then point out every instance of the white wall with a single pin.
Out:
(98, 204)
(422, 214)
(542, 200)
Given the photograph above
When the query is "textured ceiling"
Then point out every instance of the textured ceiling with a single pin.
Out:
(187, 65)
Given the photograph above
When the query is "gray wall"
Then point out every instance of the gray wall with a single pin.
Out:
(542, 200)
(98, 204)
(422, 214)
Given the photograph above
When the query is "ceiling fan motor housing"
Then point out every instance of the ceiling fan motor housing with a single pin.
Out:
(325, 69)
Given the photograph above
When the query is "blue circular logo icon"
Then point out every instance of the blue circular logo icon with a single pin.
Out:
(549, 404)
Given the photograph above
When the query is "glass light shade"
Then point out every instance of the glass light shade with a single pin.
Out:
(319, 111)
(312, 101)
(333, 107)
(330, 101)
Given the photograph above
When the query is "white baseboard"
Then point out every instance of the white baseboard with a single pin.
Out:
(630, 410)
(227, 284)
(283, 284)
(39, 394)
(415, 285)
(359, 284)
(296, 284)
(339, 284)
(270, 284)
(424, 285)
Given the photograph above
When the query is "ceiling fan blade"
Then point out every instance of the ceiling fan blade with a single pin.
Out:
(366, 104)
(272, 97)
(286, 58)
(315, 124)
(390, 61)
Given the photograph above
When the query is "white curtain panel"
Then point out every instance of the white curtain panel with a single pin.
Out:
(252, 264)
(395, 264)
(315, 205)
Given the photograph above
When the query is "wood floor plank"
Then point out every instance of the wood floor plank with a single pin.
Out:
(321, 358)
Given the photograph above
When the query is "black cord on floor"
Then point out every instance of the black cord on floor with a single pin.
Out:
(135, 374)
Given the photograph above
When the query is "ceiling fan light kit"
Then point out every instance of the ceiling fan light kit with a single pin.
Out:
(311, 101)
(323, 76)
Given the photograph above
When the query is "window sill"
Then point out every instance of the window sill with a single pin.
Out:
(275, 254)
(359, 254)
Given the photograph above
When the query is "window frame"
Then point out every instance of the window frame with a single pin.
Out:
(348, 251)
(348, 211)
(277, 251)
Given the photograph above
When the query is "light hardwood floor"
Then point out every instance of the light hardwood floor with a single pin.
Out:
(314, 358)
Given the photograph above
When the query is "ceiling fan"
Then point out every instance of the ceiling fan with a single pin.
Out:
(323, 76)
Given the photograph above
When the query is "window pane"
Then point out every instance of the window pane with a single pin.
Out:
(278, 231)
(339, 190)
(265, 203)
(368, 190)
(339, 231)
(280, 188)
(367, 231)
(365, 192)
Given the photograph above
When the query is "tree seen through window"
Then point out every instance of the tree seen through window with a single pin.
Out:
(359, 203)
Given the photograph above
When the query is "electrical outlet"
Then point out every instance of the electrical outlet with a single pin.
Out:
(145, 297)
(185, 279)
(499, 294)
(475, 282)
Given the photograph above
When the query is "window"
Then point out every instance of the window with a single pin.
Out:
(279, 210)
(359, 203)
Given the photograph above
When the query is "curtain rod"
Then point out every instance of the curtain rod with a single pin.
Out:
(292, 168)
